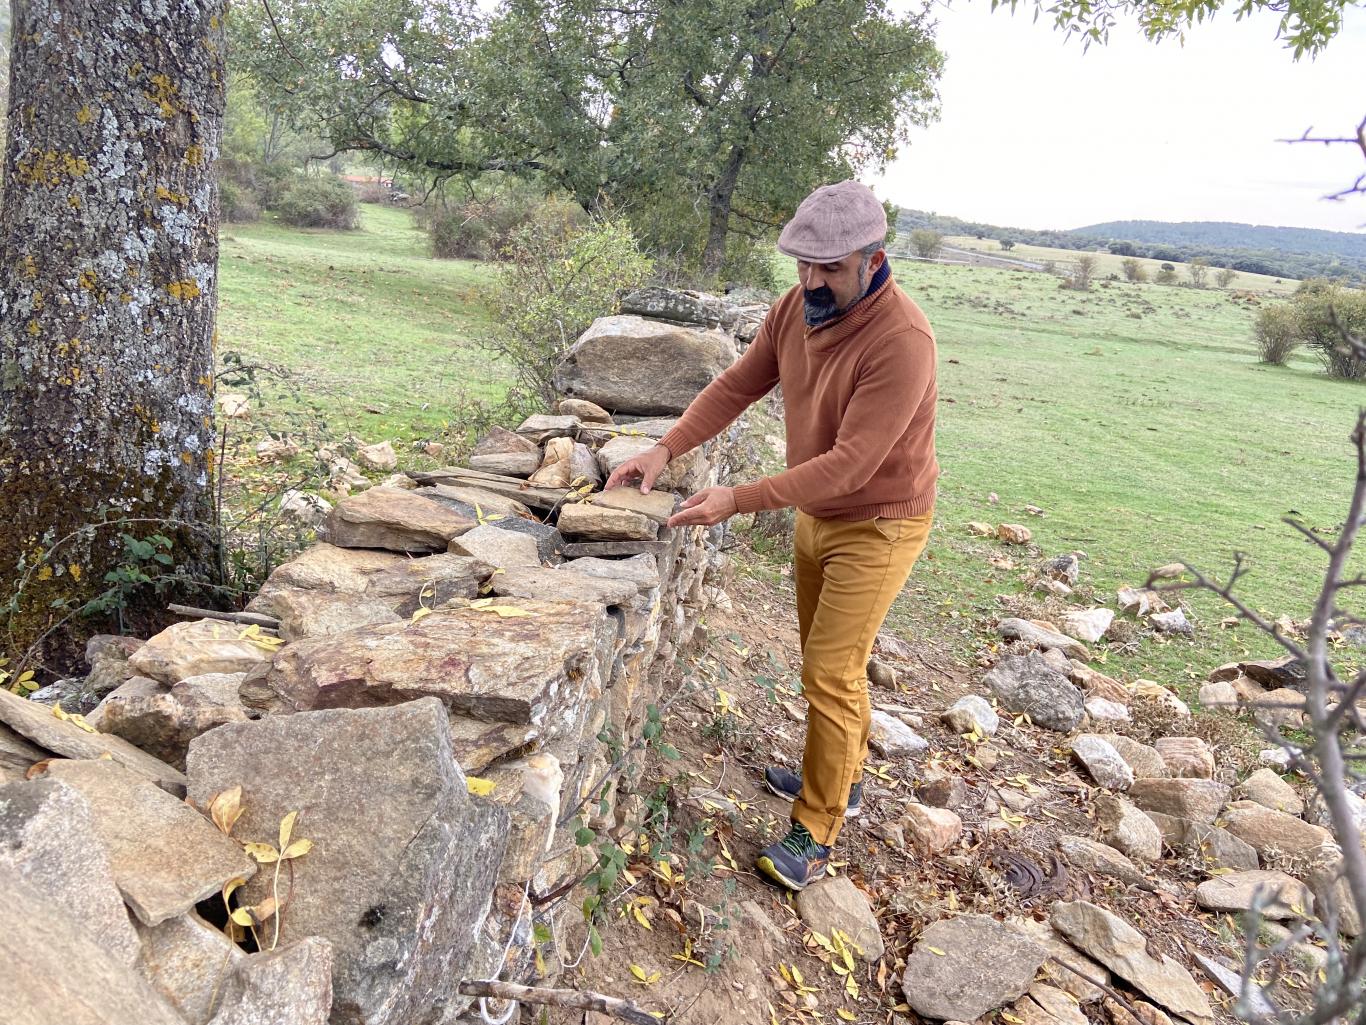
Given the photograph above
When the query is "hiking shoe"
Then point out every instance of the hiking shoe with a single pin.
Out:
(788, 785)
(796, 860)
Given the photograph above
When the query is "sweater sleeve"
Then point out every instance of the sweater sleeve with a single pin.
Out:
(891, 385)
(741, 384)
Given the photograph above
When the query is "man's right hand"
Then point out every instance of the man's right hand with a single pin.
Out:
(645, 468)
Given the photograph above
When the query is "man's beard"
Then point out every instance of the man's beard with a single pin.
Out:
(819, 305)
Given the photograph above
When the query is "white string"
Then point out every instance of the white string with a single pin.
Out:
(484, 1012)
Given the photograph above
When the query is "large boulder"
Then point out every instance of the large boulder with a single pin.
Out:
(1029, 684)
(963, 968)
(165, 856)
(481, 662)
(403, 863)
(1120, 947)
(395, 520)
(627, 364)
(48, 839)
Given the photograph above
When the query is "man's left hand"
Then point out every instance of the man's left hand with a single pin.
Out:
(708, 506)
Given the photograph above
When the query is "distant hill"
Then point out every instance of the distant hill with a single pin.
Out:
(1228, 235)
(1278, 252)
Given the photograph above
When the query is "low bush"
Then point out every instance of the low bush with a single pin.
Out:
(1323, 311)
(1277, 333)
(481, 229)
(236, 204)
(552, 286)
(317, 201)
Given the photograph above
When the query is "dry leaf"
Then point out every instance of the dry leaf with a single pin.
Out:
(287, 828)
(264, 853)
(420, 613)
(297, 850)
(478, 786)
(242, 916)
(225, 808)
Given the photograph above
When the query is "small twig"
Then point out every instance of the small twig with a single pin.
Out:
(1108, 991)
(248, 618)
(568, 998)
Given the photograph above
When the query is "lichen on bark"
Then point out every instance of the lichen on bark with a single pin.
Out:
(108, 292)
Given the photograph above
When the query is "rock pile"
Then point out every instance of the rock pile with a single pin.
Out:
(427, 713)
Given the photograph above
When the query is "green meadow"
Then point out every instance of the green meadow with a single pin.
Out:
(1135, 416)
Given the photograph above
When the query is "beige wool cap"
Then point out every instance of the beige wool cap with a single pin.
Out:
(833, 222)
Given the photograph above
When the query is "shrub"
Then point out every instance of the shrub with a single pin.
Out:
(481, 229)
(236, 204)
(1166, 275)
(1007, 244)
(319, 202)
(1277, 332)
(1225, 276)
(371, 192)
(1133, 270)
(552, 286)
(1082, 270)
(1323, 310)
(1197, 270)
(927, 243)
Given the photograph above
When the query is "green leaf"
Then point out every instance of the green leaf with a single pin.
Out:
(583, 836)
(594, 940)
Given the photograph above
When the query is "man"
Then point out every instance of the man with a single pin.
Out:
(856, 361)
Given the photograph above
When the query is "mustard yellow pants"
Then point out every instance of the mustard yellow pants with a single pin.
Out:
(847, 572)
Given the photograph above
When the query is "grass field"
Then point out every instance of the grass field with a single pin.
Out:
(362, 321)
(1108, 263)
(1136, 416)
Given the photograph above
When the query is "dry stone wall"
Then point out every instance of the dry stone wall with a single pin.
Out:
(437, 688)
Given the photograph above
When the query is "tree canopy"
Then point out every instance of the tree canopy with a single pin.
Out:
(1307, 26)
(704, 121)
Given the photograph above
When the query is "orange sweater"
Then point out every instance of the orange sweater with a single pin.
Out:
(859, 402)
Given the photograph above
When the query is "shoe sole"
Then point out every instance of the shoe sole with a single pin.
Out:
(769, 869)
(851, 813)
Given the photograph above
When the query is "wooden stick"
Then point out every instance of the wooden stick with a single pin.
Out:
(1113, 994)
(248, 618)
(570, 998)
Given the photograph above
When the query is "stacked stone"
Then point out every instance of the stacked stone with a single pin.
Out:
(453, 650)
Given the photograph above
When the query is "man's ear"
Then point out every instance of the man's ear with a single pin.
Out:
(878, 259)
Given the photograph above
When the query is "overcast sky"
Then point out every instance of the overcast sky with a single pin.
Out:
(1035, 133)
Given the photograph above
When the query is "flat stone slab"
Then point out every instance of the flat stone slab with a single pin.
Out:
(505, 452)
(626, 446)
(48, 839)
(1199, 800)
(1115, 943)
(561, 584)
(395, 520)
(641, 570)
(61, 737)
(628, 364)
(291, 985)
(657, 505)
(57, 972)
(514, 488)
(497, 547)
(194, 648)
(1042, 637)
(479, 662)
(599, 523)
(187, 961)
(166, 857)
(1283, 895)
(610, 549)
(965, 967)
(388, 578)
(480, 499)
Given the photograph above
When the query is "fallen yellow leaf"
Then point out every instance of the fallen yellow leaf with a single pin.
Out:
(478, 786)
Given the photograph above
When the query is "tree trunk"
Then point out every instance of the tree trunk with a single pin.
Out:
(108, 290)
(718, 212)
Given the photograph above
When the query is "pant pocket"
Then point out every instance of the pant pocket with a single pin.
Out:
(891, 530)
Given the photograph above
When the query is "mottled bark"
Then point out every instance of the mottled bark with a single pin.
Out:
(108, 290)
